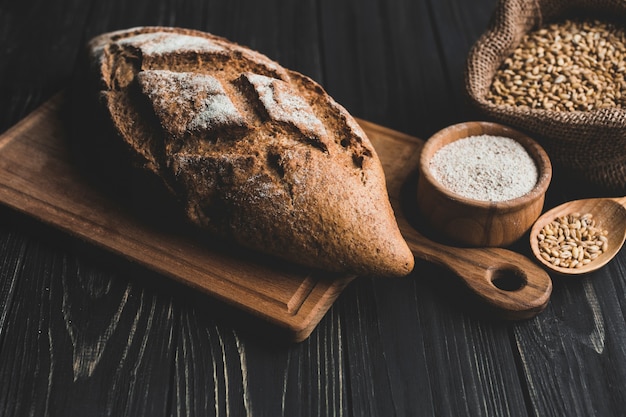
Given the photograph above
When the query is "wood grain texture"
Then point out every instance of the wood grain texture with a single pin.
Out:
(145, 346)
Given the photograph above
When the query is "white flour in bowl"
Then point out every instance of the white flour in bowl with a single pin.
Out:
(485, 168)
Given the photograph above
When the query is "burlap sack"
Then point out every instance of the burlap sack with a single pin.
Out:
(590, 146)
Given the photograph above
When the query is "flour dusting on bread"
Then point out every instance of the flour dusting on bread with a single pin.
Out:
(187, 101)
(160, 43)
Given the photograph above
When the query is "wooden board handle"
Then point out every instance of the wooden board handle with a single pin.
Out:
(509, 283)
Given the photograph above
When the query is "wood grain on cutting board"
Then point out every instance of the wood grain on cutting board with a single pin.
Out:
(38, 178)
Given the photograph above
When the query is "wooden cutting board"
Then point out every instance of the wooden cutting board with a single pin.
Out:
(38, 178)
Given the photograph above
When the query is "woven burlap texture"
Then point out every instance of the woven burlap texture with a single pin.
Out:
(590, 146)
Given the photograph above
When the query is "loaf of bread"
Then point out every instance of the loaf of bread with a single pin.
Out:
(253, 152)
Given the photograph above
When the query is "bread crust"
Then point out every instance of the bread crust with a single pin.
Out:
(253, 152)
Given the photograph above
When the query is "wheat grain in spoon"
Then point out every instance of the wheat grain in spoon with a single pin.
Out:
(609, 215)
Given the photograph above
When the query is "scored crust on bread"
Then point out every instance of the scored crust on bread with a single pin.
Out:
(255, 153)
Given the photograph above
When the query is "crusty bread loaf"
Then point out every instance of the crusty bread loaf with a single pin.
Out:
(254, 152)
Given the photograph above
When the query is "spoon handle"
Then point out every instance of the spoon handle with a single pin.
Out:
(482, 268)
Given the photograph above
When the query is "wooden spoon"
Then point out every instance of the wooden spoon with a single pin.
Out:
(511, 284)
(609, 214)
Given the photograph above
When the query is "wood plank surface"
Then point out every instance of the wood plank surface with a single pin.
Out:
(83, 334)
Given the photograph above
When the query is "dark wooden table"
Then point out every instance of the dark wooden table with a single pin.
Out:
(82, 334)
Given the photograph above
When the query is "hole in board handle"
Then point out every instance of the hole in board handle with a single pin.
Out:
(508, 279)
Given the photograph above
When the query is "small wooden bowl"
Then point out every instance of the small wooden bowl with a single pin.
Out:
(474, 222)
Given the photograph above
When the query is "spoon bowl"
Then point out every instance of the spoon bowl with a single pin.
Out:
(608, 213)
